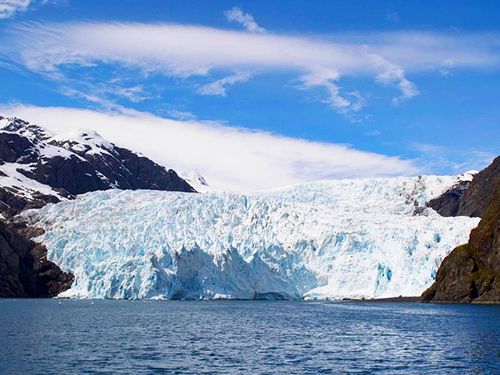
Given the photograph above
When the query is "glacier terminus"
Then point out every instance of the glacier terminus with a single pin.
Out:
(354, 238)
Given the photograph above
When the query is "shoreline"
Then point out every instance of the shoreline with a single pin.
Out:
(412, 299)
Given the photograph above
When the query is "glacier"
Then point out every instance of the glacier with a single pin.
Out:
(356, 238)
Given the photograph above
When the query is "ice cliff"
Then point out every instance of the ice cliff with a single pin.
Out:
(334, 239)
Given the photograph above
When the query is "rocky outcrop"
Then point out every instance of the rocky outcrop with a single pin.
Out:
(24, 268)
(448, 204)
(477, 198)
(11, 202)
(471, 272)
(469, 199)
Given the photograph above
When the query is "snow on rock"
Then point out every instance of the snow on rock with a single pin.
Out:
(197, 181)
(11, 178)
(324, 240)
(33, 132)
(83, 141)
(3, 122)
(37, 136)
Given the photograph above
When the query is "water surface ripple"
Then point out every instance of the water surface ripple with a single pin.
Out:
(246, 337)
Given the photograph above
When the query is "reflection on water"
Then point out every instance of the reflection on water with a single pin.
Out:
(246, 337)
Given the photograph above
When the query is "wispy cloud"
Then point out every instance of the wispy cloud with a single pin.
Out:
(244, 19)
(457, 159)
(220, 86)
(9, 8)
(229, 157)
(105, 94)
(428, 149)
(393, 16)
(326, 78)
(319, 62)
(391, 74)
(372, 133)
(181, 115)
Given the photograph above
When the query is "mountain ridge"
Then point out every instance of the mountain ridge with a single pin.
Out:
(38, 167)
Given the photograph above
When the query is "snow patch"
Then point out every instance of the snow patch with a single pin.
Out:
(83, 140)
(21, 185)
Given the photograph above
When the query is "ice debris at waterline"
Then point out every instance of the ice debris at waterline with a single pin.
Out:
(324, 240)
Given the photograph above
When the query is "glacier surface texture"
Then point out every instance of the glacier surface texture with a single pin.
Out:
(359, 238)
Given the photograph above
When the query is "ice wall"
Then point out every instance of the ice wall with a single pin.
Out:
(334, 239)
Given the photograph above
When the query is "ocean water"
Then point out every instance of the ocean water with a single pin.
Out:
(246, 337)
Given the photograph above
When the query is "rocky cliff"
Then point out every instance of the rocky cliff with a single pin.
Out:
(469, 198)
(24, 268)
(471, 273)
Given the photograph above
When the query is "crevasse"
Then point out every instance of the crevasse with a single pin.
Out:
(359, 238)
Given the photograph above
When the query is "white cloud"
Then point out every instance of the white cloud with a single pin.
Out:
(103, 94)
(219, 87)
(428, 149)
(393, 74)
(181, 115)
(321, 77)
(230, 158)
(8, 8)
(183, 50)
(372, 133)
(244, 19)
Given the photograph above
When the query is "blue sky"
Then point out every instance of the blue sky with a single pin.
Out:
(363, 88)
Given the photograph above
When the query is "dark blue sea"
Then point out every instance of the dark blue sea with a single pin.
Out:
(246, 337)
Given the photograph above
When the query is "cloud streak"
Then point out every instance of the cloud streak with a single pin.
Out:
(220, 86)
(244, 19)
(9, 8)
(457, 159)
(230, 158)
(185, 51)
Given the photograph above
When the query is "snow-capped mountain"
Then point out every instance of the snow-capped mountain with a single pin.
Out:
(334, 239)
(38, 167)
(197, 181)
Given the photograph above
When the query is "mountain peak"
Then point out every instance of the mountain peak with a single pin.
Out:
(33, 132)
(82, 141)
(196, 180)
(196, 176)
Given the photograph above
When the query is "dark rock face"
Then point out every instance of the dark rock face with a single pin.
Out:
(117, 167)
(24, 269)
(14, 147)
(477, 197)
(11, 203)
(142, 173)
(448, 204)
(73, 175)
(471, 273)
(469, 199)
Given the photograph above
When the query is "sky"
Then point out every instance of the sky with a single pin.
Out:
(257, 94)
